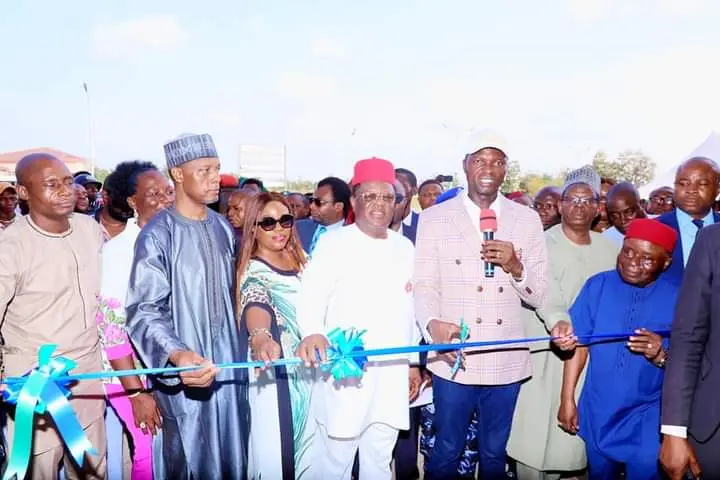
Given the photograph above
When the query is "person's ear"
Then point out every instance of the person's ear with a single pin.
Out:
(22, 192)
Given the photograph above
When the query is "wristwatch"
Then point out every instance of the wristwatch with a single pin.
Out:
(661, 363)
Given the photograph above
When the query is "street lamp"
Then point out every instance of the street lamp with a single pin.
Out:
(91, 136)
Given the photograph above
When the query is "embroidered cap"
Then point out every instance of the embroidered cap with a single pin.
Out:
(586, 175)
(188, 147)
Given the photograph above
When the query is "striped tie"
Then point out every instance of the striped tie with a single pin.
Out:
(318, 232)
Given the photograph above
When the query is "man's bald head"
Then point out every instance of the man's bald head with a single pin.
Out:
(32, 163)
(701, 162)
(626, 190)
(623, 205)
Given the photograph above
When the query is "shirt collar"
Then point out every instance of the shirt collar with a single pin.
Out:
(472, 208)
(685, 220)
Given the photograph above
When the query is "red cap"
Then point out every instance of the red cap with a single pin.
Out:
(373, 170)
(488, 220)
(228, 181)
(654, 232)
(514, 195)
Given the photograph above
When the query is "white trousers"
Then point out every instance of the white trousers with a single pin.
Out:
(375, 446)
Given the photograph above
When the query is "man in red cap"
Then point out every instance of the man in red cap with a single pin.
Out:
(372, 291)
(618, 415)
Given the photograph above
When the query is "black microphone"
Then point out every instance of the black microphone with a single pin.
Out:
(488, 226)
(489, 267)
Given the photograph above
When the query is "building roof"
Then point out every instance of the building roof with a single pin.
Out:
(10, 159)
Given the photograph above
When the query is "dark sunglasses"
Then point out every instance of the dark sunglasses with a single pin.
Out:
(268, 223)
(318, 202)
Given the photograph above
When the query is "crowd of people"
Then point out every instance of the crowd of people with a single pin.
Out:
(197, 268)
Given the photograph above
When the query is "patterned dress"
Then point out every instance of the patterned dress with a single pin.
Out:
(280, 398)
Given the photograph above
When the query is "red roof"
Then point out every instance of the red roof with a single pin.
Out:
(74, 163)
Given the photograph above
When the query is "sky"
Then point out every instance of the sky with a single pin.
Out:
(335, 81)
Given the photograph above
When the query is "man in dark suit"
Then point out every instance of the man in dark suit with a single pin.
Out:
(329, 208)
(409, 181)
(690, 407)
(696, 186)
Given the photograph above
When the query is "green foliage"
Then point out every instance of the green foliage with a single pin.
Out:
(102, 173)
(630, 165)
(512, 177)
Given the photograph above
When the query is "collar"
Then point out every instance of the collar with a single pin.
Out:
(334, 225)
(685, 220)
(474, 210)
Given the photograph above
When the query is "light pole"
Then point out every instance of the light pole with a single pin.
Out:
(91, 135)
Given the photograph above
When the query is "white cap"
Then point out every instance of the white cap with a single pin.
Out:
(485, 139)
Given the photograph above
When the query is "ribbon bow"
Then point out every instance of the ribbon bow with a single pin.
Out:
(340, 361)
(464, 334)
(43, 393)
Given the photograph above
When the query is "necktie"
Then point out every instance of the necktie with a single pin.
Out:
(699, 224)
(318, 232)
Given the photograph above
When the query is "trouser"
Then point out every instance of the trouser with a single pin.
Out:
(455, 404)
(525, 472)
(644, 466)
(406, 449)
(374, 447)
(46, 465)
(142, 443)
(708, 455)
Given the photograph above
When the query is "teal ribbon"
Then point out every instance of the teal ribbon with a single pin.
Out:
(464, 334)
(44, 391)
(343, 359)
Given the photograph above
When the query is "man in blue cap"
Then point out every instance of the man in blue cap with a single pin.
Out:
(180, 312)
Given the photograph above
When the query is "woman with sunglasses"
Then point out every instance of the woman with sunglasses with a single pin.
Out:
(268, 276)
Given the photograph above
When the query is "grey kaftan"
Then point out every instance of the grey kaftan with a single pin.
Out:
(181, 298)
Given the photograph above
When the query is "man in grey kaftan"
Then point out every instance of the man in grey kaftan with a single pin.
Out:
(180, 298)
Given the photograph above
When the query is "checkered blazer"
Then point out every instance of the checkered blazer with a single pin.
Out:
(450, 285)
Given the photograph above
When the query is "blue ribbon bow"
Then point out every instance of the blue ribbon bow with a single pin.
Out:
(44, 391)
(344, 360)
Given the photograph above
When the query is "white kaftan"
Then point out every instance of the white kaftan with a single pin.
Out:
(357, 281)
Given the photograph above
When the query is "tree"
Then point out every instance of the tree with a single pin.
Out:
(301, 186)
(630, 166)
(531, 183)
(101, 174)
(512, 177)
(635, 167)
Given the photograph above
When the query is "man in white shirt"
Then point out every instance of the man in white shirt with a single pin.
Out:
(370, 291)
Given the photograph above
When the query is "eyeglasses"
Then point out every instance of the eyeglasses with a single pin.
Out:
(269, 223)
(580, 201)
(319, 202)
(662, 200)
(372, 197)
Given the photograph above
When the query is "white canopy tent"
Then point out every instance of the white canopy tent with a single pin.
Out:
(709, 148)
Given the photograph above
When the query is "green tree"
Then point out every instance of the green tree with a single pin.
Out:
(635, 167)
(102, 173)
(629, 166)
(512, 177)
(301, 186)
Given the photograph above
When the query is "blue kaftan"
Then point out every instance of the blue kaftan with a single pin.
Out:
(181, 298)
(619, 407)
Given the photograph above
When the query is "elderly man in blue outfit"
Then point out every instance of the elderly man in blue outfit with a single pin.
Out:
(618, 415)
(180, 312)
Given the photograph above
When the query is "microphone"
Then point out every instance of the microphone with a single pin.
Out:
(488, 227)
